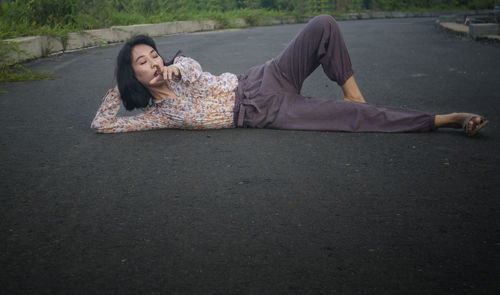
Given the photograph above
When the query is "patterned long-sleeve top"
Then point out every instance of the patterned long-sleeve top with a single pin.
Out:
(204, 101)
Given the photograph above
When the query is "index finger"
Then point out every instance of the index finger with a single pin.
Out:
(170, 74)
(159, 69)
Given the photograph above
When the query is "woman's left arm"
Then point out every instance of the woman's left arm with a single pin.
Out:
(107, 121)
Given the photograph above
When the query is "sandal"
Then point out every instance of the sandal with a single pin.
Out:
(473, 131)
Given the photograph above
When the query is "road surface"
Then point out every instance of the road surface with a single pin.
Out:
(245, 211)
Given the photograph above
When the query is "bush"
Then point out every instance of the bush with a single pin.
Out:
(124, 19)
(251, 17)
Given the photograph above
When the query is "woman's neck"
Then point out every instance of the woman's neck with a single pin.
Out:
(162, 92)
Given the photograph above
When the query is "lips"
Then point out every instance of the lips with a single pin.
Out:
(158, 70)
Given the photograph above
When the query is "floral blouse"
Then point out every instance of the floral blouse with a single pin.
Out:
(204, 101)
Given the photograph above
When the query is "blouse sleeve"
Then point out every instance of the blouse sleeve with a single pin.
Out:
(106, 121)
(190, 69)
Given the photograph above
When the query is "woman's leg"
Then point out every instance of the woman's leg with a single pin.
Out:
(351, 91)
(319, 43)
(302, 113)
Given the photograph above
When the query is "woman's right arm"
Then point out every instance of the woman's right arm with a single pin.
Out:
(106, 121)
(189, 68)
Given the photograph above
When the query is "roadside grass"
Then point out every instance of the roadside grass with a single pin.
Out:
(18, 73)
(102, 16)
(14, 71)
(21, 28)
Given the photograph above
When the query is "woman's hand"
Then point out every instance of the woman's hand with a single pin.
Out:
(170, 73)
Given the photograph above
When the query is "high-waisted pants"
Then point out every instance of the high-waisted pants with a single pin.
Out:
(268, 96)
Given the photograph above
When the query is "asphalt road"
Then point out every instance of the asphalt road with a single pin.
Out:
(245, 211)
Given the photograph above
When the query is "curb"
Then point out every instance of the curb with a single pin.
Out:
(456, 28)
(475, 31)
(482, 31)
(38, 46)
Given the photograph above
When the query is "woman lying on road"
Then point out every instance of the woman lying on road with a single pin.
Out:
(177, 94)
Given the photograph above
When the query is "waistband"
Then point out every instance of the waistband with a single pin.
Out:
(241, 103)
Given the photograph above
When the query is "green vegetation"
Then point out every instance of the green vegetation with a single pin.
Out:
(59, 17)
(17, 72)
(55, 17)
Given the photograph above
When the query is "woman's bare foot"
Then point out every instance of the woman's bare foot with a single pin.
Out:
(355, 99)
(470, 122)
(351, 91)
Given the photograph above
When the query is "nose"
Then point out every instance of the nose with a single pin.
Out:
(154, 66)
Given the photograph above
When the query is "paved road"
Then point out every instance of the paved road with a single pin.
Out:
(256, 211)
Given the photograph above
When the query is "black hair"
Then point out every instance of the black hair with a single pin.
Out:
(132, 92)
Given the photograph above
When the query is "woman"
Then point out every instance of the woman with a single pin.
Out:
(177, 94)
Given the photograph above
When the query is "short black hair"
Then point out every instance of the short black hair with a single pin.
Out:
(132, 92)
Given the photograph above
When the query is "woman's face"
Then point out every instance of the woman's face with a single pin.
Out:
(145, 63)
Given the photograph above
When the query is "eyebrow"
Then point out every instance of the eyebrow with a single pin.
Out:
(152, 50)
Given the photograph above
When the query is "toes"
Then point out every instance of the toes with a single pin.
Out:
(474, 122)
(472, 125)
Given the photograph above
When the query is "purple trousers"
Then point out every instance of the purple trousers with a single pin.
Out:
(268, 96)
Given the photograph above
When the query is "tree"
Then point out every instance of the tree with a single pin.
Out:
(269, 4)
